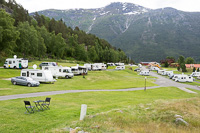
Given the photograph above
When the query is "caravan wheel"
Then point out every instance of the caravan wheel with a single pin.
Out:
(66, 76)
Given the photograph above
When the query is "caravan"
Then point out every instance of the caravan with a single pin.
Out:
(195, 74)
(98, 66)
(59, 71)
(16, 63)
(38, 75)
(145, 73)
(184, 78)
(78, 70)
(120, 68)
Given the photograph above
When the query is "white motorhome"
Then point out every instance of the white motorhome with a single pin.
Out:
(16, 63)
(184, 78)
(38, 75)
(78, 70)
(59, 71)
(195, 74)
(120, 68)
(176, 76)
(144, 73)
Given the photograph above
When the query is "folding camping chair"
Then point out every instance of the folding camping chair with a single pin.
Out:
(29, 108)
(46, 103)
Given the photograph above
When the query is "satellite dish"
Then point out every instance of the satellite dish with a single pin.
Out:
(15, 56)
(34, 66)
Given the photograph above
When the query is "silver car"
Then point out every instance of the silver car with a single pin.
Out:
(24, 81)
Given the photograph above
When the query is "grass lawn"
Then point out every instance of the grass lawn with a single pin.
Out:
(94, 80)
(65, 112)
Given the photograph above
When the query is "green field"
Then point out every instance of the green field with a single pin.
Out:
(95, 80)
(133, 111)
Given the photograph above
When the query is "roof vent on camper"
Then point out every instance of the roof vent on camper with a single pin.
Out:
(15, 56)
(34, 66)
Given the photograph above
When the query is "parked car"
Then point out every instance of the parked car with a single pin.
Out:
(48, 64)
(24, 81)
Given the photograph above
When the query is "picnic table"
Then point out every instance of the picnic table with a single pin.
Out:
(39, 105)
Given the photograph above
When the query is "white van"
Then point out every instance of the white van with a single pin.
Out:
(59, 71)
(184, 78)
(144, 73)
(16, 63)
(38, 75)
(120, 68)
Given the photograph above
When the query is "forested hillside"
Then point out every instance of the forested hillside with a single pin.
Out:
(144, 34)
(42, 37)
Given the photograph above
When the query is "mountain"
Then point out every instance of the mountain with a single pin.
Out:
(144, 34)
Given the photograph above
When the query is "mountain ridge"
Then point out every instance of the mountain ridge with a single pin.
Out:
(144, 34)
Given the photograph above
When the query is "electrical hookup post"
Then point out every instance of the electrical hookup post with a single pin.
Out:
(145, 79)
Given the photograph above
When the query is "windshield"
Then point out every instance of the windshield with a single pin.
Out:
(67, 70)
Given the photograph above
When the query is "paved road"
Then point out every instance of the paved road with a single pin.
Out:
(161, 81)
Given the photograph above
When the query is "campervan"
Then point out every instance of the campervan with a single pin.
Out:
(195, 74)
(120, 68)
(38, 75)
(59, 71)
(144, 73)
(16, 63)
(184, 78)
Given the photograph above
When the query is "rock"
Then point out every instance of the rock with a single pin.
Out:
(180, 120)
(178, 116)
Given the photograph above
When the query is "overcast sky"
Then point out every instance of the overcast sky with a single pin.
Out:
(37, 5)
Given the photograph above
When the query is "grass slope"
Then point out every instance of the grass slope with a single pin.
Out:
(65, 111)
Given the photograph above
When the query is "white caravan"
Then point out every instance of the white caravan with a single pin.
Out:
(184, 78)
(160, 71)
(195, 74)
(111, 64)
(16, 63)
(119, 64)
(98, 66)
(38, 75)
(166, 73)
(59, 71)
(154, 68)
(144, 73)
(120, 68)
(88, 66)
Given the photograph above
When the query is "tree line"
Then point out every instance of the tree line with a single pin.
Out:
(40, 36)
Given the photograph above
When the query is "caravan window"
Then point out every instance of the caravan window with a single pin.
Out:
(23, 74)
(39, 74)
(20, 61)
(32, 73)
(59, 70)
(10, 62)
(13, 61)
(46, 68)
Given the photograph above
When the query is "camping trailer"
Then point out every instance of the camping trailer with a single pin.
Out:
(161, 72)
(59, 71)
(38, 75)
(120, 68)
(78, 70)
(16, 63)
(144, 73)
(195, 74)
(184, 78)
(98, 66)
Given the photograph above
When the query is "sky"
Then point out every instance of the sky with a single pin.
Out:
(38, 5)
